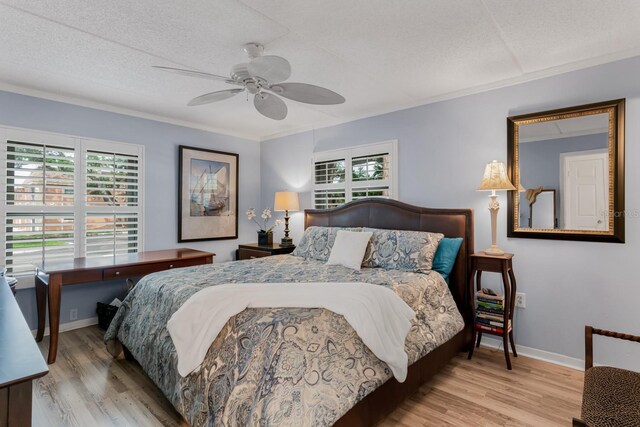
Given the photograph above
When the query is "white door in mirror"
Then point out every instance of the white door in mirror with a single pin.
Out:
(586, 195)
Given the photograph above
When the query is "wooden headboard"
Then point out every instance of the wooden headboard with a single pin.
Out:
(391, 214)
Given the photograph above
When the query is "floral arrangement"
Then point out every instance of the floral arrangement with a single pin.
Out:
(266, 216)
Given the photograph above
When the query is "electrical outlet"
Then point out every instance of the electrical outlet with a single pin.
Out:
(73, 314)
(520, 300)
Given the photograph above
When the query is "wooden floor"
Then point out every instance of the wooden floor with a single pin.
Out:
(87, 387)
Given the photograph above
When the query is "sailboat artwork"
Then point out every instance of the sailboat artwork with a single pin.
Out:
(209, 189)
(207, 195)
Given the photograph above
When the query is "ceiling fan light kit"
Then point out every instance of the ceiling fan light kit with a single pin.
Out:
(263, 77)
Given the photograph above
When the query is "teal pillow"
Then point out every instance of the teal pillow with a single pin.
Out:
(446, 255)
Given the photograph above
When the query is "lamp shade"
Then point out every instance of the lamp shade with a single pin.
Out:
(286, 201)
(495, 177)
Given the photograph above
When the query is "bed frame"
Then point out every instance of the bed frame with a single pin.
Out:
(391, 214)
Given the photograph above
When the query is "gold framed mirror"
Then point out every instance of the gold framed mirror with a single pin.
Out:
(578, 153)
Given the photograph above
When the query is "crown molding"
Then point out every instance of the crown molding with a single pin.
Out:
(524, 78)
(81, 102)
(513, 81)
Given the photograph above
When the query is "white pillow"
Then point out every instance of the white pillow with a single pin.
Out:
(349, 248)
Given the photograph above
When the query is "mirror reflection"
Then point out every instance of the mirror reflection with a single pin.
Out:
(568, 168)
(564, 173)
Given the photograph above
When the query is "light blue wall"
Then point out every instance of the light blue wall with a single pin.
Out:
(540, 165)
(161, 141)
(443, 148)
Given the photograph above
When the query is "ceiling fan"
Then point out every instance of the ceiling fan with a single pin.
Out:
(263, 77)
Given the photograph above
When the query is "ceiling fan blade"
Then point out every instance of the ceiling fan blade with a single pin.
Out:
(270, 106)
(200, 74)
(214, 97)
(271, 68)
(309, 94)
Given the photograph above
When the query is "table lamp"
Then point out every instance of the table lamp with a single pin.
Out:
(286, 201)
(495, 178)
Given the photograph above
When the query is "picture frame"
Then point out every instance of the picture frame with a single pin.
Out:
(207, 194)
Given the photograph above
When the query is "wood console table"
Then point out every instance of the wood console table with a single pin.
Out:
(52, 276)
(20, 362)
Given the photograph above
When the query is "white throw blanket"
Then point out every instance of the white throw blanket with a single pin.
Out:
(379, 316)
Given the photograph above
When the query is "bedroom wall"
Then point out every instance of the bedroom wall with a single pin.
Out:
(443, 148)
(161, 141)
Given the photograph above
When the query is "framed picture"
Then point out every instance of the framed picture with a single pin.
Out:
(207, 195)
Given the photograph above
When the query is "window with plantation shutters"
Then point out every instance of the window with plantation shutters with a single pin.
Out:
(65, 197)
(111, 179)
(39, 175)
(111, 234)
(341, 176)
(32, 237)
(112, 188)
(330, 183)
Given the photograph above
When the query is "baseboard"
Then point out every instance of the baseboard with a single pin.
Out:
(69, 326)
(534, 353)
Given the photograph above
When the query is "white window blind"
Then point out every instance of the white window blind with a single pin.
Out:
(325, 199)
(111, 179)
(66, 197)
(39, 175)
(112, 190)
(30, 238)
(341, 176)
(330, 183)
(111, 234)
(361, 193)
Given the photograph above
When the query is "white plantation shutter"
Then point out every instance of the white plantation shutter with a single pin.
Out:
(64, 197)
(341, 176)
(111, 234)
(371, 176)
(361, 193)
(326, 199)
(112, 196)
(330, 183)
(112, 179)
(330, 172)
(31, 238)
(39, 175)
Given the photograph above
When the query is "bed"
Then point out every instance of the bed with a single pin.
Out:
(302, 366)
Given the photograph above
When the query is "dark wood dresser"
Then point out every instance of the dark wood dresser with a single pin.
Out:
(254, 250)
(20, 362)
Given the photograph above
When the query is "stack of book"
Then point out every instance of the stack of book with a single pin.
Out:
(490, 313)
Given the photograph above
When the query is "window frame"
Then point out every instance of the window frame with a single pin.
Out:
(80, 209)
(349, 153)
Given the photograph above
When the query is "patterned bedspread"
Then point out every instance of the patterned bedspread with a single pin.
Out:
(275, 367)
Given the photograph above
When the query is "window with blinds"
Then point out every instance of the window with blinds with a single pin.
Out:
(108, 235)
(111, 179)
(325, 199)
(361, 193)
(30, 238)
(65, 197)
(39, 175)
(341, 176)
(330, 183)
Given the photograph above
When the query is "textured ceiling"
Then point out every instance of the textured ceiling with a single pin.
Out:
(565, 128)
(382, 55)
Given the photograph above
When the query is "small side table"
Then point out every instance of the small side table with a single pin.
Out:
(254, 250)
(497, 264)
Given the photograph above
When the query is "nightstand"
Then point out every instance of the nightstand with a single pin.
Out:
(502, 264)
(254, 250)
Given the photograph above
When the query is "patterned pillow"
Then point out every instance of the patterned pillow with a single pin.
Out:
(402, 250)
(316, 243)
